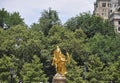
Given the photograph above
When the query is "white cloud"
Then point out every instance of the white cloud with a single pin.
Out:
(31, 10)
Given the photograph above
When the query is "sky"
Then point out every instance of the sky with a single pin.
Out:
(31, 10)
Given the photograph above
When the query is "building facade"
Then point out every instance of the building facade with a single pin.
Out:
(102, 8)
(109, 9)
(114, 16)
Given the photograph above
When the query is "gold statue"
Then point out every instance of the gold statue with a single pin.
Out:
(59, 61)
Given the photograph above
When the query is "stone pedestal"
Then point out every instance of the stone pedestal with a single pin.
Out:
(58, 78)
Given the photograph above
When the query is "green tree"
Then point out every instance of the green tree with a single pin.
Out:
(8, 20)
(74, 42)
(48, 19)
(15, 19)
(114, 71)
(95, 70)
(72, 24)
(90, 24)
(4, 16)
(36, 27)
(32, 72)
(74, 73)
(104, 45)
(7, 67)
(20, 41)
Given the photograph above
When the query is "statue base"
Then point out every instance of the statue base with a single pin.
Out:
(58, 78)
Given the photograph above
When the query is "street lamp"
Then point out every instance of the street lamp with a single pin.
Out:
(11, 75)
(5, 26)
(85, 70)
(20, 80)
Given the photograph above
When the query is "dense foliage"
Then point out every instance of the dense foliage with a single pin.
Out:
(27, 52)
(8, 20)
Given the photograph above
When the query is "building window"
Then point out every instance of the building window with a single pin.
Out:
(105, 14)
(108, 4)
(102, 14)
(118, 28)
(96, 14)
(118, 2)
(103, 10)
(111, 11)
(119, 22)
(96, 5)
(103, 4)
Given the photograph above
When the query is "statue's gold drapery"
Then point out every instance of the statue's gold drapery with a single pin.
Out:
(59, 61)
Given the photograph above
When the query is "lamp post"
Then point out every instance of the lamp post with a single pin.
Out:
(20, 81)
(5, 26)
(11, 75)
(85, 70)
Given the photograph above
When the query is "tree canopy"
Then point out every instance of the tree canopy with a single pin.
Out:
(8, 20)
(28, 51)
